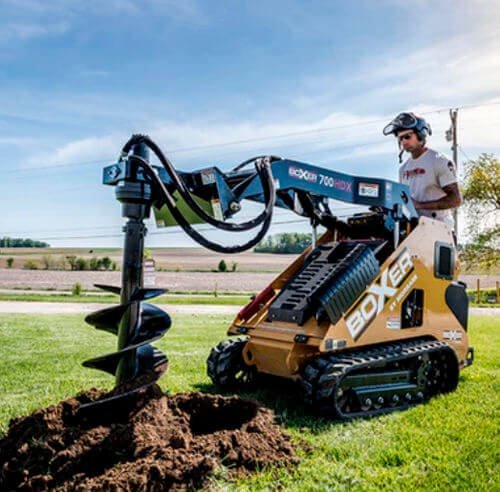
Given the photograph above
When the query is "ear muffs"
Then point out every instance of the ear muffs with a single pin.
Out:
(421, 135)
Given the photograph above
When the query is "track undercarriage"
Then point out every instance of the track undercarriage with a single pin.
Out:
(358, 383)
(371, 382)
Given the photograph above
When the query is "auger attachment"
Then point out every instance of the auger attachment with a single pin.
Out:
(136, 363)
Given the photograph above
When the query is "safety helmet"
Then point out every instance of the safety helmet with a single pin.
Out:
(408, 121)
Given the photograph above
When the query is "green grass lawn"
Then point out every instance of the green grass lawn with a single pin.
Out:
(451, 443)
(222, 299)
(225, 300)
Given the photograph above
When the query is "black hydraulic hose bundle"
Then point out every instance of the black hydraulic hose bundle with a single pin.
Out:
(263, 168)
(136, 363)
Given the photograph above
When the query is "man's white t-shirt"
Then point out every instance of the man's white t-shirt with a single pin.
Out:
(427, 176)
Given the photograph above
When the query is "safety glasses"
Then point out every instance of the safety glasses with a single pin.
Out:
(406, 136)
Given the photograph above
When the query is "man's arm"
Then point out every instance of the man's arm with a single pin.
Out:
(453, 199)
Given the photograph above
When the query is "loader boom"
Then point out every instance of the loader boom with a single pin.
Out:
(293, 179)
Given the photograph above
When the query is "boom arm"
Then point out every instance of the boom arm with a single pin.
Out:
(291, 179)
(294, 176)
(211, 196)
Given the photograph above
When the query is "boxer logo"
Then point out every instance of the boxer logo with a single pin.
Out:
(304, 174)
(378, 294)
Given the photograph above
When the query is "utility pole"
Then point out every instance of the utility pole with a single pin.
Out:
(451, 136)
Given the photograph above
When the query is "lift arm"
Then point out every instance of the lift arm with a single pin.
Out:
(293, 179)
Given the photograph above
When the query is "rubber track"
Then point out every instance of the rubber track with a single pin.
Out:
(323, 376)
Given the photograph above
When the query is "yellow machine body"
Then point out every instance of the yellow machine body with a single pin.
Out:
(281, 349)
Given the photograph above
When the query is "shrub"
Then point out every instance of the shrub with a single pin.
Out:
(106, 263)
(234, 266)
(60, 263)
(76, 290)
(94, 263)
(222, 266)
(30, 265)
(48, 262)
(10, 262)
(81, 264)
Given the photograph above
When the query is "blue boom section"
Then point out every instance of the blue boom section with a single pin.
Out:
(322, 182)
(290, 176)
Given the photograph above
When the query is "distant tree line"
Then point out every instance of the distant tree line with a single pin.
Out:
(286, 243)
(16, 242)
(78, 263)
(49, 262)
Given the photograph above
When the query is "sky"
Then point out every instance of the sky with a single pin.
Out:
(78, 77)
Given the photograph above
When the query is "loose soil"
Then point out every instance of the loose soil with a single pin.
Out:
(147, 441)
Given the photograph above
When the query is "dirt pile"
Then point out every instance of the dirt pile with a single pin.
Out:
(147, 442)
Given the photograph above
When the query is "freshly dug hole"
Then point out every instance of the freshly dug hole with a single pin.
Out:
(148, 441)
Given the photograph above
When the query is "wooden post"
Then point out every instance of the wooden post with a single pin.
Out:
(478, 291)
(454, 148)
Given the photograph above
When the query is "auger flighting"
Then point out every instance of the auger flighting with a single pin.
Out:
(137, 324)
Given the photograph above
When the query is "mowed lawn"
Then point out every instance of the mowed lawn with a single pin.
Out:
(451, 443)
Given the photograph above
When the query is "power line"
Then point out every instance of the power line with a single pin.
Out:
(461, 149)
(250, 140)
(279, 213)
(55, 166)
(154, 233)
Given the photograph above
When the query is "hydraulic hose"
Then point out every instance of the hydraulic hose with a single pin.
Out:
(253, 159)
(263, 167)
(263, 171)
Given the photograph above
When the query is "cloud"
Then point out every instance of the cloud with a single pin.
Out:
(450, 68)
(224, 140)
(28, 19)
(334, 139)
(453, 58)
(27, 31)
(77, 152)
(459, 69)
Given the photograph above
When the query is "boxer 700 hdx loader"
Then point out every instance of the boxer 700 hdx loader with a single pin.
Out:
(369, 319)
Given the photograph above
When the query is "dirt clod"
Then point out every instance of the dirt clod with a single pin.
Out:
(148, 442)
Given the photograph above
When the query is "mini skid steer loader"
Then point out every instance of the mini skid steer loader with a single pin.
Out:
(369, 319)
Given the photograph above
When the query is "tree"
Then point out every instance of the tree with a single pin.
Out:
(81, 264)
(94, 263)
(287, 242)
(222, 266)
(481, 194)
(106, 262)
(9, 242)
(71, 259)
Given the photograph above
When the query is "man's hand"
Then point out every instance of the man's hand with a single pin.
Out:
(417, 204)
